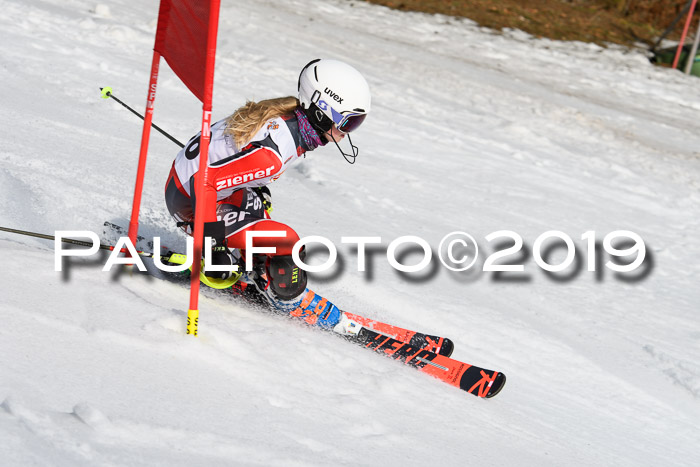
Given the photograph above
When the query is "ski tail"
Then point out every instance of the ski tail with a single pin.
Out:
(470, 378)
(111, 233)
(437, 344)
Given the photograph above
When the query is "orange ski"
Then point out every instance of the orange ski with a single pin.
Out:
(437, 344)
(472, 379)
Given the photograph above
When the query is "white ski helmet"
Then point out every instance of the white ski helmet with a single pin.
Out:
(331, 91)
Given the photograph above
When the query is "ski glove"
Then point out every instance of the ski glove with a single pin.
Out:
(221, 256)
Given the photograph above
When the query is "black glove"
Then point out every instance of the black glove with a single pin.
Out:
(221, 256)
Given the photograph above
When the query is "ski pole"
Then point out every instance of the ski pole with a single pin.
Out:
(72, 241)
(169, 257)
(107, 93)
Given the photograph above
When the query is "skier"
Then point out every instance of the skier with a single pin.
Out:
(249, 150)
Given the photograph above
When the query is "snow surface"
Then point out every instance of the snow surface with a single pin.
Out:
(470, 130)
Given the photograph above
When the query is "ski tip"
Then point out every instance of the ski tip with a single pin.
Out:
(497, 385)
(447, 347)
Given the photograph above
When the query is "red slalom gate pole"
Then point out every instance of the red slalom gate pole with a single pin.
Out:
(685, 32)
(205, 192)
(145, 137)
(203, 199)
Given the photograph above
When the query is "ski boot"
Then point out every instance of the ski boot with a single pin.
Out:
(283, 285)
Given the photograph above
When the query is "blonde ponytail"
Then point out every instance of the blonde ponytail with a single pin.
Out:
(248, 119)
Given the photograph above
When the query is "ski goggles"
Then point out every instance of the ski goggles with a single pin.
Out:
(349, 121)
(344, 121)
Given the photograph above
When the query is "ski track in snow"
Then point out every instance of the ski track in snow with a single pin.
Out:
(470, 130)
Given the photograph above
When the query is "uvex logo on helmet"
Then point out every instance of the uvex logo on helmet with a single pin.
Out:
(334, 96)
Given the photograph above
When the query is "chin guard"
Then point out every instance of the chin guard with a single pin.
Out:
(355, 150)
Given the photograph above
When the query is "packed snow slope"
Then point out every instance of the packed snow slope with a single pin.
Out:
(471, 130)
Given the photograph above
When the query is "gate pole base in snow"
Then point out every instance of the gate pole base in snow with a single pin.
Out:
(192, 322)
